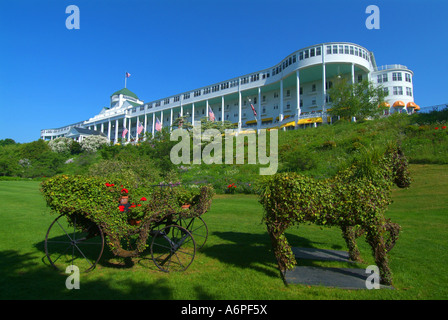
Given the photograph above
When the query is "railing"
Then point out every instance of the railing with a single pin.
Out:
(391, 66)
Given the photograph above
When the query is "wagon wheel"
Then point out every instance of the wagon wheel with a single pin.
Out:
(197, 227)
(69, 244)
(173, 248)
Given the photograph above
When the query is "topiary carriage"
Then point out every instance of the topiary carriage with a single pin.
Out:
(354, 200)
(92, 213)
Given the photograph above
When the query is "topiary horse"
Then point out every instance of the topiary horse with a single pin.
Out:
(354, 200)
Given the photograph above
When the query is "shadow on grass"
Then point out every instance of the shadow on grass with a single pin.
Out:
(249, 250)
(24, 277)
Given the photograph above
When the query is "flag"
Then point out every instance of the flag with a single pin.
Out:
(139, 127)
(124, 132)
(128, 74)
(211, 115)
(253, 109)
(158, 125)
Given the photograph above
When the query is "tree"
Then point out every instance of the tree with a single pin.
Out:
(359, 100)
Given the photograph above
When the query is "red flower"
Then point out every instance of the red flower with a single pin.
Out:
(107, 184)
(444, 127)
(121, 208)
(132, 206)
(437, 128)
(139, 205)
(124, 190)
(143, 199)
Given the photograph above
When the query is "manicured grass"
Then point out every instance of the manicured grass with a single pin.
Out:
(237, 261)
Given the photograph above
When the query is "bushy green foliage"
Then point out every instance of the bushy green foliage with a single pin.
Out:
(354, 198)
(95, 200)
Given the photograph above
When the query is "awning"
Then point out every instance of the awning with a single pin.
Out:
(266, 119)
(289, 124)
(417, 108)
(309, 120)
(399, 104)
(251, 121)
(411, 105)
(285, 117)
(384, 104)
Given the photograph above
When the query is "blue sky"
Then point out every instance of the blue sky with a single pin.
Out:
(51, 76)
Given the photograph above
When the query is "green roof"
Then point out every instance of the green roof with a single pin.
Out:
(125, 92)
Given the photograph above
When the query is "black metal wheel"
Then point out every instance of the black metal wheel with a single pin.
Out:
(72, 243)
(197, 227)
(173, 248)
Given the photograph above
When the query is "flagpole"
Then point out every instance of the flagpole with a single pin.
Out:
(125, 78)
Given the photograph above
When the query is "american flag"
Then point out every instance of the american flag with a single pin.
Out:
(128, 74)
(211, 115)
(139, 127)
(253, 109)
(124, 132)
(158, 125)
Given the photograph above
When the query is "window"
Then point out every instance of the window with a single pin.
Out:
(356, 51)
(307, 54)
(318, 51)
(407, 77)
(385, 77)
(186, 96)
(346, 50)
(386, 91)
(341, 49)
(176, 99)
(379, 78)
(359, 77)
(312, 52)
(313, 88)
(275, 94)
(264, 99)
(288, 93)
(166, 101)
(409, 91)
(335, 49)
(301, 55)
(328, 49)
(351, 50)
(313, 102)
(197, 93)
(398, 91)
(301, 90)
(328, 85)
(396, 76)
(294, 59)
(301, 102)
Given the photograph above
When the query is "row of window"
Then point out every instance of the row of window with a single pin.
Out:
(347, 49)
(398, 91)
(396, 76)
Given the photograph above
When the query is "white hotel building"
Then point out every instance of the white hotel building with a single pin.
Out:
(291, 94)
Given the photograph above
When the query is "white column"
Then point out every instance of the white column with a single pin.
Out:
(192, 114)
(146, 125)
(136, 129)
(116, 130)
(353, 73)
(129, 131)
(280, 116)
(171, 119)
(222, 109)
(124, 125)
(298, 109)
(153, 123)
(161, 118)
(239, 105)
(108, 130)
(206, 109)
(102, 127)
(324, 93)
(259, 109)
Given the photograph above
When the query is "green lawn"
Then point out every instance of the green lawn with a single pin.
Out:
(236, 262)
